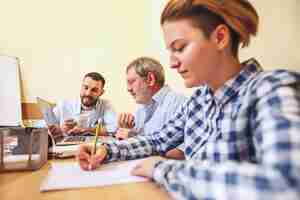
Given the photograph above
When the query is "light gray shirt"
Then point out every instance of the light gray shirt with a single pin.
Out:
(151, 117)
(71, 109)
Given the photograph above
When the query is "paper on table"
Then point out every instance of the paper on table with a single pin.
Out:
(64, 151)
(70, 175)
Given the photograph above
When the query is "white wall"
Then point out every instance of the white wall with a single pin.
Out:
(276, 45)
(277, 42)
(58, 41)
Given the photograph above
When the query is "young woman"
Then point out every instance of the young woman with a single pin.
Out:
(241, 127)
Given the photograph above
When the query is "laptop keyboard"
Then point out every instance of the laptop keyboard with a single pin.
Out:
(75, 139)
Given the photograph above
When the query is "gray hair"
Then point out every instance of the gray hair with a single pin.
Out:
(144, 65)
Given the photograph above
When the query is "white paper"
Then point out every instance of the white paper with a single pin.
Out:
(70, 175)
(10, 95)
(64, 151)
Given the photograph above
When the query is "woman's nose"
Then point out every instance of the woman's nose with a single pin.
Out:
(173, 62)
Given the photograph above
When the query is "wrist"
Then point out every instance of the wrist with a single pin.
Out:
(101, 150)
(107, 150)
(159, 171)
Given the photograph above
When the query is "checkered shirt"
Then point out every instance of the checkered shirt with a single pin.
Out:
(241, 141)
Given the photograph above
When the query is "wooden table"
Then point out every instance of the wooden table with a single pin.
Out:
(25, 185)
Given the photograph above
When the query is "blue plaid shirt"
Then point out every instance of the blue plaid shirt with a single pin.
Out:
(242, 141)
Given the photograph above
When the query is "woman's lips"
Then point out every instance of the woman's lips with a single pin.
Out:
(183, 72)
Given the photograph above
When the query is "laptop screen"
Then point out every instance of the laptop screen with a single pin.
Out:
(46, 109)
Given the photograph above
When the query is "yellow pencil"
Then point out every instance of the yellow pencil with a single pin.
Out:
(98, 127)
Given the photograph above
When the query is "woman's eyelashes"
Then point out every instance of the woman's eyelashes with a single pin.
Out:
(178, 48)
(181, 48)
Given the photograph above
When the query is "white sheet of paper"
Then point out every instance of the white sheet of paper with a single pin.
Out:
(70, 175)
(64, 151)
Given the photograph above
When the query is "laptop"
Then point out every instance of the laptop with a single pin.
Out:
(46, 109)
(64, 146)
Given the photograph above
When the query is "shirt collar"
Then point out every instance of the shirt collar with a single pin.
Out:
(233, 86)
(230, 87)
(160, 94)
(157, 97)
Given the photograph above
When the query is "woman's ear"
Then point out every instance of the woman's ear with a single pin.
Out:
(221, 36)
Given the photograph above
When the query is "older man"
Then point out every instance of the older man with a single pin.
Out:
(157, 101)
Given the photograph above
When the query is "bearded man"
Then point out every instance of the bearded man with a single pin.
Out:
(82, 115)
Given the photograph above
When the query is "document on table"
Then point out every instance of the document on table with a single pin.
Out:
(69, 175)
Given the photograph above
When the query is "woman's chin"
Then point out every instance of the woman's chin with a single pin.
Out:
(190, 84)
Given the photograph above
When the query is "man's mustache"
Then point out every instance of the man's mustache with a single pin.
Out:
(90, 97)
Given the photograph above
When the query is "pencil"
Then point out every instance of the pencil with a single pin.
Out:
(98, 127)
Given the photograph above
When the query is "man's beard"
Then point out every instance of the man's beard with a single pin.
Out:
(91, 101)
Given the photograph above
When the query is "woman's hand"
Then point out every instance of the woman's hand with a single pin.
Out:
(146, 167)
(89, 161)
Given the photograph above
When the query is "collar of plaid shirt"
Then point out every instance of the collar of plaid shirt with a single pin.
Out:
(209, 112)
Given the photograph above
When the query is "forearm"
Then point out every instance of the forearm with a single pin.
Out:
(132, 148)
(273, 171)
(231, 180)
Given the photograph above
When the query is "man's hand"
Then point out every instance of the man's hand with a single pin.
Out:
(86, 160)
(122, 133)
(76, 130)
(146, 167)
(126, 120)
(55, 130)
(68, 125)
